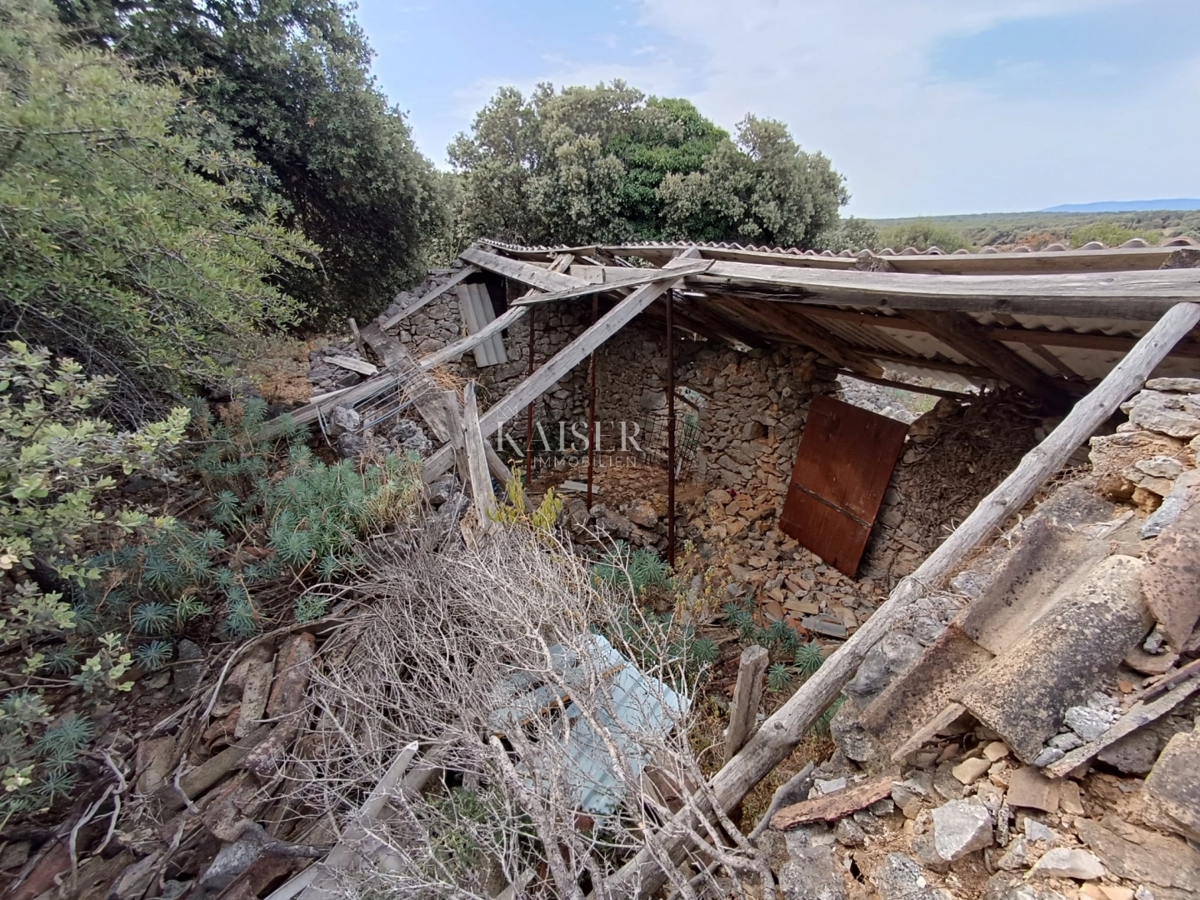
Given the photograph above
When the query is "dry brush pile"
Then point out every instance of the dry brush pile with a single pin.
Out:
(546, 760)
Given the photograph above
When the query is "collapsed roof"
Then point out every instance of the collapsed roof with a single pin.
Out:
(1049, 322)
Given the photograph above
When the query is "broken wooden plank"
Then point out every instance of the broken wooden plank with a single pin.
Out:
(557, 367)
(477, 464)
(831, 807)
(1139, 716)
(361, 366)
(526, 273)
(784, 729)
(356, 841)
(747, 698)
(463, 274)
(644, 276)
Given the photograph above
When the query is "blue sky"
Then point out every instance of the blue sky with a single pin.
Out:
(927, 106)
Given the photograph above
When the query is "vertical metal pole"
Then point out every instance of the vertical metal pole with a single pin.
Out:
(592, 408)
(670, 431)
(529, 411)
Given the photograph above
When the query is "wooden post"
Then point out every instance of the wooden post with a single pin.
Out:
(529, 412)
(747, 697)
(783, 730)
(592, 409)
(358, 341)
(477, 463)
(670, 301)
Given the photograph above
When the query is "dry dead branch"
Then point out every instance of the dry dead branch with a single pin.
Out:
(551, 711)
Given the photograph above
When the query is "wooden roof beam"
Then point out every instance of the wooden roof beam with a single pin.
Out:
(774, 319)
(962, 333)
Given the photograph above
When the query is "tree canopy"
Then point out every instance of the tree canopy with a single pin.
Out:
(608, 163)
(289, 81)
(128, 243)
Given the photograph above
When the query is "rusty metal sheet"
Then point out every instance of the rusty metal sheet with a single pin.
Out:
(843, 467)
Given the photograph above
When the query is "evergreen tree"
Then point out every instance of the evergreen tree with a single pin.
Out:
(610, 164)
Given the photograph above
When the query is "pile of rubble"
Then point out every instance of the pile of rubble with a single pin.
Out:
(1045, 743)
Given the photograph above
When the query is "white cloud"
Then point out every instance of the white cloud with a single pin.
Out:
(854, 80)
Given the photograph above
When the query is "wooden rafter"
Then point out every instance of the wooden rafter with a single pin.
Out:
(961, 332)
(776, 319)
(462, 275)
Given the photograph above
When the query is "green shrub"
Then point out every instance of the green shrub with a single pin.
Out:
(1111, 235)
(793, 659)
(922, 234)
(635, 571)
(57, 463)
(279, 516)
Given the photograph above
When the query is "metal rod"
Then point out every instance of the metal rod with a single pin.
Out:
(529, 413)
(592, 408)
(670, 432)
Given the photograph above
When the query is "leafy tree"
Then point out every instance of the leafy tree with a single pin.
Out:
(764, 190)
(608, 163)
(289, 81)
(116, 250)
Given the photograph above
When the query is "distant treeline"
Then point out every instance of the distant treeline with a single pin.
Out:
(1032, 229)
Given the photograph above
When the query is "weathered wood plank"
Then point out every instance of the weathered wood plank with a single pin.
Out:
(361, 366)
(357, 840)
(642, 276)
(1128, 295)
(783, 730)
(747, 698)
(1139, 295)
(462, 275)
(477, 463)
(526, 273)
(557, 367)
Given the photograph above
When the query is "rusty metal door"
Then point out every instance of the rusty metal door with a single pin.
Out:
(843, 467)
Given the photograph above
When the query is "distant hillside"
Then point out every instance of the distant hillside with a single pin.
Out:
(1036, 229)
(1127, 206)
